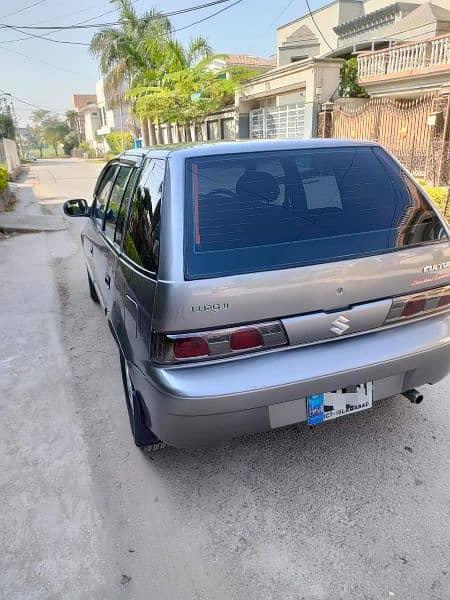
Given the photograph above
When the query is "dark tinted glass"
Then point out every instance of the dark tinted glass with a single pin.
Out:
(141, 243)
(103, 191)
(271, 210)
(121, 217)
(115, 199)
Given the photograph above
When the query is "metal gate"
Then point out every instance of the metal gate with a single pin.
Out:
(278, 122)
(400, 125)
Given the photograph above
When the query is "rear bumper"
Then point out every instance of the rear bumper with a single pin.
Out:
(202, 404)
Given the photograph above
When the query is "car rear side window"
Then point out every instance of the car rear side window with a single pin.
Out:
(123, 210)
(115, 199)
(141, 243)
(270, 210)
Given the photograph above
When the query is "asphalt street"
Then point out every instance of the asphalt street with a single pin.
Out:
(355, 509)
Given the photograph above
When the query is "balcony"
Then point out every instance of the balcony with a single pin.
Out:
(415, 62)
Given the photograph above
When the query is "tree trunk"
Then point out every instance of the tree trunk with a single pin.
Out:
(169, 133)
(144, 130)
(159, 135)
(55, 146)
(40, 150)
(179, 131)
(151, 132)
(187, 133)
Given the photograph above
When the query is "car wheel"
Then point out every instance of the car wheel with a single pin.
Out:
(143, 437)
(92, 291)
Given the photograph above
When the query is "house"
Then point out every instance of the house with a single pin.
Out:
(285, 101)
(417, 60)
(111, 118)
(254, 63)
(79, 102)
(89, 115)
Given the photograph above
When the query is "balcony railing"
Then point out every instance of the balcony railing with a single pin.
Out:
(420, 56)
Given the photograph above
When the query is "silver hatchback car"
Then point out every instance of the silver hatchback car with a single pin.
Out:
(252, 285)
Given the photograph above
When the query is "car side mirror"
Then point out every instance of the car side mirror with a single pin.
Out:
(76, 208)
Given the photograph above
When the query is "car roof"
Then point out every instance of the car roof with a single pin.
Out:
(241, 146)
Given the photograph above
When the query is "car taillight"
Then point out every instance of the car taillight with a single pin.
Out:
(414, 307)
(444, 300)
(243, 339)
(191, 347)
(421, 304)
(218, 343)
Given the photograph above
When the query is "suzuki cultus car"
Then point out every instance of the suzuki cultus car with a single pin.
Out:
(251, 285)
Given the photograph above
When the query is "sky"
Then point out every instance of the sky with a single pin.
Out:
(46, 74)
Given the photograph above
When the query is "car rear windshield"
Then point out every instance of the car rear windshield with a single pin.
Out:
(270, 210)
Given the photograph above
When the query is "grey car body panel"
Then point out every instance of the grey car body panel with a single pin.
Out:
(202, 402)
(297, 369)
(321, 325)
(290, 292)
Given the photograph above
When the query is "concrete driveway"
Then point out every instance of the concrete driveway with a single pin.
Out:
(355, 509)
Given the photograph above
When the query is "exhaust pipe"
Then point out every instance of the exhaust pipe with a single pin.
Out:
(414, 396)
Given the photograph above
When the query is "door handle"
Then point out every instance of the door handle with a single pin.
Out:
(91, 250)
(108, 280)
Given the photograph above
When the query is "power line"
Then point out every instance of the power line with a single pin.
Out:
(29, 103)
(115, 23)
(317, 27)
(45, 35)
(208, 17)
(15, 12)
(44, 62)
(46, 38)
(272, 23)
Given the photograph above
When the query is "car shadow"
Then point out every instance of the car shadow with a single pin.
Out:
(283, 455)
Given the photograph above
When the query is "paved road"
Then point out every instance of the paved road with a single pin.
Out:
(356, 509)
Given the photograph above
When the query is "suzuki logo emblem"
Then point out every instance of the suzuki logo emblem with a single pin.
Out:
(340, 325)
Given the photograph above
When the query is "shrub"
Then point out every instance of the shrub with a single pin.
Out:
(3, 178)
(421, 181)
(348, 87)
(114, 141)
(70, 142)
(438, 195)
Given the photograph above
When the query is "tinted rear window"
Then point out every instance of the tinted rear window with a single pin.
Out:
(271, 210)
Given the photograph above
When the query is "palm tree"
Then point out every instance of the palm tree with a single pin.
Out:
(169, 60)
(184, 89)
(122, 50)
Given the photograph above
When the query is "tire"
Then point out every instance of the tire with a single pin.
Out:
(92, 291)
(143, 437)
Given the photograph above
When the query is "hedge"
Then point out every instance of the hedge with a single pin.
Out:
(3, 178)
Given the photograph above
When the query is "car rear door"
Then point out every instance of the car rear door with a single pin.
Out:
(92, 239)
(108, 250)
(137, 267)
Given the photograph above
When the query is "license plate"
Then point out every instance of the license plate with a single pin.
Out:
(331, 405)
